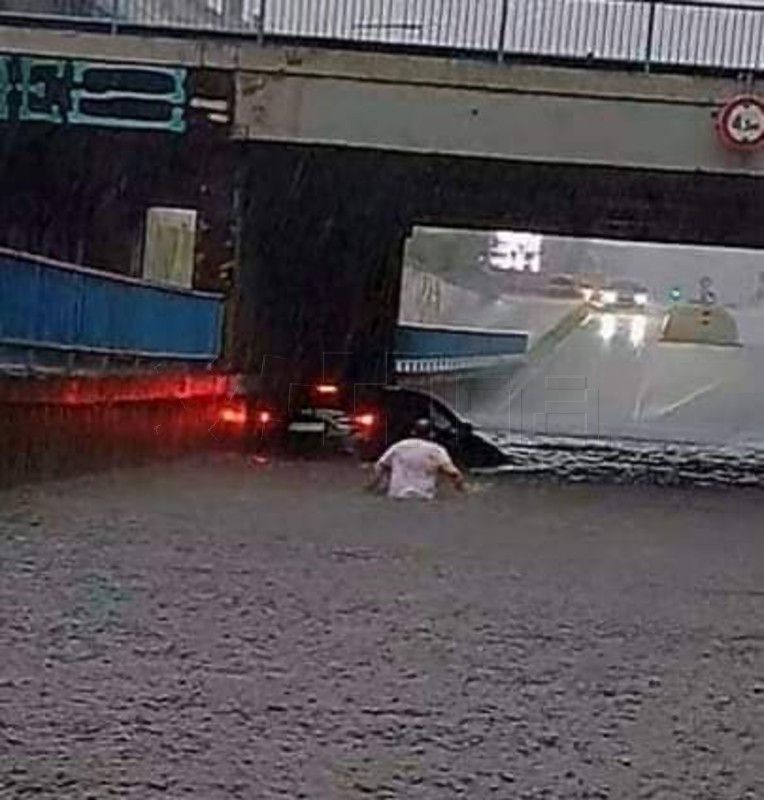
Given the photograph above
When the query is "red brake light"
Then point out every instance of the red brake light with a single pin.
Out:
(327, 388)
(366, 420)
(232, 415)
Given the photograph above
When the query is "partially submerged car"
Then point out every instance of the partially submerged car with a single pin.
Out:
(562, 286)
(362, 420)
(397, 408)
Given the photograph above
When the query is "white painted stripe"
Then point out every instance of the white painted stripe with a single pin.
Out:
(209, 104)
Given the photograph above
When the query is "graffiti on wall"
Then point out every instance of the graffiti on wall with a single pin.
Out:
(111, 95)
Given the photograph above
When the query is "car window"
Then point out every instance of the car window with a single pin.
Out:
(404, 408)
(410, 406)
(442, 418)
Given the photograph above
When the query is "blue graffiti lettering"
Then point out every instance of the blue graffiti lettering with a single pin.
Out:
(64, 92)
(174, 99)
(38, 90)
(5, 87)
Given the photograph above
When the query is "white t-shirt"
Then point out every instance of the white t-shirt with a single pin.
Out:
(414, 465)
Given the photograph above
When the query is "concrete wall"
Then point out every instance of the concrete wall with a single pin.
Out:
(427, 298)
(522, 113)
(654, 133)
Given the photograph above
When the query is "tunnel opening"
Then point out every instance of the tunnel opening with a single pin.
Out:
(602, 362)
(320, 248)
(355, 220)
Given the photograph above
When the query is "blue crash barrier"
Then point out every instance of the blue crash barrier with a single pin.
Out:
(60, 310)
(433, 349)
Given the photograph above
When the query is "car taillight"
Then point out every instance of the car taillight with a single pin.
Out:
(233, 415)
(365, 420)
(327, 389)
(264, 417)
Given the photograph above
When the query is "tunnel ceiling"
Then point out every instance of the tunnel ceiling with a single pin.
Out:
(598, 202)
(563, 199)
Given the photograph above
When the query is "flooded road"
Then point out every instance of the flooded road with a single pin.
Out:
(213, 630)
(613, 378)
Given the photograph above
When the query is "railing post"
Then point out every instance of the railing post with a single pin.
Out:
(502, 46)
(261, 22)
(650, 35)
(114, 25)
(233, 14)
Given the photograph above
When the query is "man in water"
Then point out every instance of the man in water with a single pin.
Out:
(411, 467)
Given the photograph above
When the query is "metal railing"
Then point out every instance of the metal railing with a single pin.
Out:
(669, 33)
(432, 349)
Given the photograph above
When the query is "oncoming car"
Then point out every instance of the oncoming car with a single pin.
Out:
(620, 295)
(562, 286)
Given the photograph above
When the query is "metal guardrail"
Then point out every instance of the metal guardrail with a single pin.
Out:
(434, 349)
(670, 33)
(61, 311)
(441, 365)
(420, 340)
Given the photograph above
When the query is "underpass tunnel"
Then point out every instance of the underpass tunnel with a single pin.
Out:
(340, 226)
(359, 230)
(329, 220)
(327, 269)
(332, 225)
(625, 340)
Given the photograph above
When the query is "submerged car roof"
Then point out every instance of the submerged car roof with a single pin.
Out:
(422, 394)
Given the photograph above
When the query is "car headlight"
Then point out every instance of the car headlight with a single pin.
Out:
(640, 299)
(609, 297)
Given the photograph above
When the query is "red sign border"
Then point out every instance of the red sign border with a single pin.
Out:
(723, 116)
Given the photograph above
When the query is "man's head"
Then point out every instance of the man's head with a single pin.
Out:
(422, 429)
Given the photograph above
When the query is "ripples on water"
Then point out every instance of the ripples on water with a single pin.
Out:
(631, 462)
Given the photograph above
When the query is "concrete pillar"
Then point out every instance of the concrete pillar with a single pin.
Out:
(321, 261)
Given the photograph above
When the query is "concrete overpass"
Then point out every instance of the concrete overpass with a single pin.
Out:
(337, 154)
(576, 151)
(425, 104)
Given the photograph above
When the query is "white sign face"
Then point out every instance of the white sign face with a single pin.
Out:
(741, 123)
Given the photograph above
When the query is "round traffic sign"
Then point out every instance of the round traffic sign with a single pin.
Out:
(740, 123)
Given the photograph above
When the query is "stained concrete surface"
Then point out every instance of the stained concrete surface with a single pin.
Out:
(217, 630)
